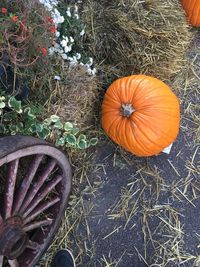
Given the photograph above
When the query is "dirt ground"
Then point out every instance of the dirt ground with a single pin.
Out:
(146, 211)
(138, 212)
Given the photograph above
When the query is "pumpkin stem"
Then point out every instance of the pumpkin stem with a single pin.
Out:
(127, 110)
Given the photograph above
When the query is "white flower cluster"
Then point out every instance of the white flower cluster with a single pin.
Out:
(65, 46)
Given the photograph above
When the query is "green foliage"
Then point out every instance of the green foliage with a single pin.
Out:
(25, 120)
(72, 27)
(25, 29)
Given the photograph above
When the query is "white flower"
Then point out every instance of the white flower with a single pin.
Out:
(57, 45)
(94, 71)
(51, 51)
(72, 63)
(60, 51)
(68, 12)
(57, 34)
(90, 61)
(78, 56)
(75, 59)
(67, 49)
(56, 16)
(76, 16)
(57, 78)
(64, 56)
(82, 32)
(48, 6)
(58, 48)
(75, 8)
(66, 38)
(91, 71)
(87, 66)
(71, 39)
(63, 43)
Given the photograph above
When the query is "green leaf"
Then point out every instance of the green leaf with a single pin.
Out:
(2, 129)
(36, 110)
(60, 141)
(47, 121)
(58, 125)
(13, 129)
(15, 104)
(75, 131)
(68, 126)
(82, 137)
(82, 144)
(93, 141)
(54, 118)
(37, 128)
(44, 133)
(70, 139)
(9, 116)
(20, 126)
(2, 105)
(28, 111)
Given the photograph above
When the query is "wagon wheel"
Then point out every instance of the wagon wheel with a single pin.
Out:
(35, 181)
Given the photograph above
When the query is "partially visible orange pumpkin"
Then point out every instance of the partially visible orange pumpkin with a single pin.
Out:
(141, 114)
(192, 9)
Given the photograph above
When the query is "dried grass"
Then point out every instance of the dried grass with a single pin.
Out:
(162, 227)
(74, 98)
(137, 36)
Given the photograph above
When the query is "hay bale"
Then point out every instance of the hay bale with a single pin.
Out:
(73, 99)
(136, 36)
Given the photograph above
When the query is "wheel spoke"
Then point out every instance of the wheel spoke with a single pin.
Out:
(1, 219)
(33, 245)
(37, 185)
(21, 193)
(10, 187)
(38, 224)
(1, 260)
(13, 263)
(40, 209)
(40, 196)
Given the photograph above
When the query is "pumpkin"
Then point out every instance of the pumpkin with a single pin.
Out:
(192, 9)
(141, 114)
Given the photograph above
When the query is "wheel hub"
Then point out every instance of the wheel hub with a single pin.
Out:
(13, 240)
(35, 182)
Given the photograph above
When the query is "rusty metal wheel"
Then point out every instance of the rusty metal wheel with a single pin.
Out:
(35, 182)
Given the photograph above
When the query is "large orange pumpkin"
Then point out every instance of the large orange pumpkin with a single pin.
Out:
(141, 114)
(192, 9)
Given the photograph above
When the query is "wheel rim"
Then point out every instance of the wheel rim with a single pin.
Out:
(35, 185)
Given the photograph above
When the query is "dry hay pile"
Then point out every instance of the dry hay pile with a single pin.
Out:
(137, 36)
(73, 99)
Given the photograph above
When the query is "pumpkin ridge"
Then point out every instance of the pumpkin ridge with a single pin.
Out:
(126, 89)
(148, 125)
(111, 91)
(138, 140)
(122, 133)
(119, 131)
(114, 120)
(135, 91)
(152, 108)
(110, 104)
(163, 112)
(157, 145)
